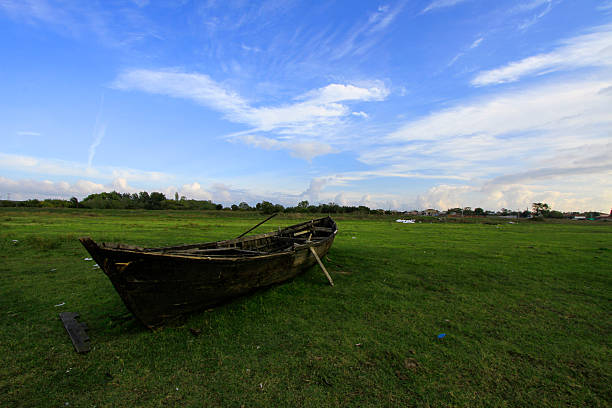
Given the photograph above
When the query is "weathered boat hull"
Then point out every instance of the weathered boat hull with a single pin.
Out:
(159, 284)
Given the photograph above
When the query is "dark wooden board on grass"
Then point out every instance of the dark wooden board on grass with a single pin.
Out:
(76, 331)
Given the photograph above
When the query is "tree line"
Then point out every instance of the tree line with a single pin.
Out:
(158, 201)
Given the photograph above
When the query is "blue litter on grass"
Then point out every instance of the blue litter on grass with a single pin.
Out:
(441, 335)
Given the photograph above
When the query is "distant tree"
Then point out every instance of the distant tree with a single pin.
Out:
(176, 196)
(74, 202)
(235, 207)
(266, 207)
(478, 211)
(143, 197)
(155, 200)
(244, 206)
(454, 211)
(363, 209)
(539, 208)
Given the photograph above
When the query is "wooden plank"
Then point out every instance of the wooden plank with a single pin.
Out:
(246, 232)
(76, 331)
(331, 282)
(323, 229)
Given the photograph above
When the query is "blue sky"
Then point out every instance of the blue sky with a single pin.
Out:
(401, 104)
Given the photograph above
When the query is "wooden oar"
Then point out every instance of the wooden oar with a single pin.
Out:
(331, 282)
(244, 233)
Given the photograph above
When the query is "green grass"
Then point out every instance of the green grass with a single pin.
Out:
(526, 309)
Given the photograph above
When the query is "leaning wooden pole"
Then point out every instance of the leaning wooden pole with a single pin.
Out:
(331, 282)
(244, 233)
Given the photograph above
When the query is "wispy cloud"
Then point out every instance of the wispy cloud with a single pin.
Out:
(605, 7)
(588, 50)
(476, 42)
(363, 36)
(380, 19)
(54, 167)
(534, 4)
(307, 150)
(360, 114)
(98, 136)
(549, 107)
(306, 116)
(98, 133)
(438, 4)
(28, 133)
(546, 137)
(28, 188)
(198, 87)
(82, 19)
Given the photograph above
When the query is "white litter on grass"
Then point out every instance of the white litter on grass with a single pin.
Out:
(96, 266)
(15, 241)
(87, 259)
(176, 388)
(53, 270)
(60, 304)
(405, 221)
(353, 237)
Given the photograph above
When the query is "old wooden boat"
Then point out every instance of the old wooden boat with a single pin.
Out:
(159, 284)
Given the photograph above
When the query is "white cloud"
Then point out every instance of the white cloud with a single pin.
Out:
(314, 114)
(319, 105)
(574, 194)
(28, 188)
(532, 5)
(28, 133)
(197, 87)
(304, 149)
(313, 192)
(543, 142)
(476, 42)
(588, 50)
(563, 107)
(99, 135)
(384, 16)
(98, 132)
(82, 19)
(195, 191)
(365, 35)
(360, 114)
(438, 4)
(54, 167)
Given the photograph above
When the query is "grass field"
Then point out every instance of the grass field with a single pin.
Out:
(526, 309)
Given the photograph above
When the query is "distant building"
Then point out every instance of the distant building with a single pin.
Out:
(430, 212)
